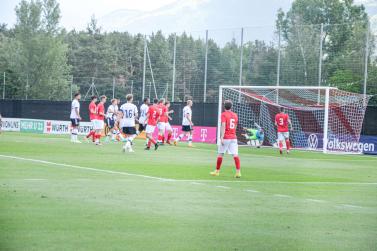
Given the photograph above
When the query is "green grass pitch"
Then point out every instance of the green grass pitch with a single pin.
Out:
(55, 195)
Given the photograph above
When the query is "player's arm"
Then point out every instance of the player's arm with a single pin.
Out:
(101, 112)
(189, 119)
(77, 112)
(92, 110)
(222, 132)
(290, 123)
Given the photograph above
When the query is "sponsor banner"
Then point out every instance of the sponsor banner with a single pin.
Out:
(369, 144)
(10, 125)
(64, 127)
(366, 144)
(201, 134)
(31, 125)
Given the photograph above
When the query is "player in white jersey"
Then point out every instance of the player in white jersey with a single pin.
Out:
(187, 125)
(130, 113)
(111, 115)
(75, 117)
(143, 114)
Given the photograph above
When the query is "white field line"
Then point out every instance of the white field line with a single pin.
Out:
(223, 187)
(282, 195)
(251, 191)
(84, 168)
(179, 180)
(350, 206)
(34, 179)
(315, 200)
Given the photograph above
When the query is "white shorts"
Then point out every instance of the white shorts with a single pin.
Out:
(282, 136)
(168, 127)
(161, 126)
(97, 124)
(230, 146)
(150, 129)
(142, 120)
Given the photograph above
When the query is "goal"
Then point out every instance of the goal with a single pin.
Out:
(323, 118)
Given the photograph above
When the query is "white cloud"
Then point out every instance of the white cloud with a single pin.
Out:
(367, 3)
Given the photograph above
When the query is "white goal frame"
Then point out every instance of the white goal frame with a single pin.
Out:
(325, 104)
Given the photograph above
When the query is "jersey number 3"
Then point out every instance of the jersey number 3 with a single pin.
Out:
(281, 121)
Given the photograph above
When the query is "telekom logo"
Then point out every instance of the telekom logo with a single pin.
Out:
(203, 134)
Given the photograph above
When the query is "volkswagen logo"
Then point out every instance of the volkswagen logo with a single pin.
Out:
(312, 141)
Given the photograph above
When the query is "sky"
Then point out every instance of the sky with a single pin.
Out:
(76, 13)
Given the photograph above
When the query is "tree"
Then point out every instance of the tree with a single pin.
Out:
(344, 32)
(36, 54)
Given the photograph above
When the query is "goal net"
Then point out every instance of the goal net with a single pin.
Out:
(323, 118)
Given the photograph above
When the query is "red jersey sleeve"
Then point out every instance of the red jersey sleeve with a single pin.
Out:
(100, 109)
(92, 111)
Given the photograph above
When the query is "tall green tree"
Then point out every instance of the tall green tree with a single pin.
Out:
(344, 32)
(41, 67)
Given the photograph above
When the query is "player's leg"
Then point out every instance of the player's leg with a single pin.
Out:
(221, 150)
(280, 142)
(233, 149)
(73, 130)
(179, 138)
(287, 142)
(131, 135)
(161, 132)
(190, 138)
(149, 130)
(98, 133)
(92, 132)
(170, 133)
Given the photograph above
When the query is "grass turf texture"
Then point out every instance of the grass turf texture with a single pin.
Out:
(304, 201)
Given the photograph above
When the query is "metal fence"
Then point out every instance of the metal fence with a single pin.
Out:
(194, 64)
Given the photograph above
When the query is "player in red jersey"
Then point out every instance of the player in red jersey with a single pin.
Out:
(282, 122)
(167, 124)
(92, 116)
(99, 124)
(228, 139)
(153, 116)
(162, 121)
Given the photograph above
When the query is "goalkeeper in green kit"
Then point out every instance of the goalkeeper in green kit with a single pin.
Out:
(254, 136)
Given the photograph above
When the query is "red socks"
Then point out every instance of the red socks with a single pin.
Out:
(169, 137)
(288, 144)
(97, 136)
(163, 139)
(219, 161)
(280, 145)
(91, 134)
(237, 162)
(151, 141)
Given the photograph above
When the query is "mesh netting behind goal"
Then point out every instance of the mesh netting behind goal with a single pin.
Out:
(308, 109)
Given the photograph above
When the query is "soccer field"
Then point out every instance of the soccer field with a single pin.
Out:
(61, 196)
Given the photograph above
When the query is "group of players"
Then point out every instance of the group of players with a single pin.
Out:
(122, 123)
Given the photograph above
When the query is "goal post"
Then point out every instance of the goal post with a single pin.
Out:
(323, 118)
